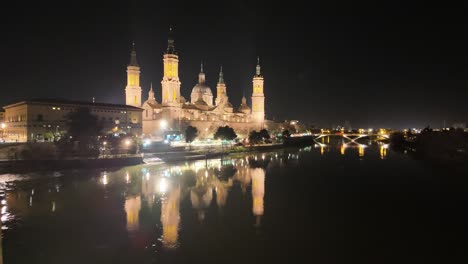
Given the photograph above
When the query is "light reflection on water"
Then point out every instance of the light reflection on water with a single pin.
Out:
(162, 188)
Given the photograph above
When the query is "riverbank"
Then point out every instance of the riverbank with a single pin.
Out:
(177, 155)
(22, 166)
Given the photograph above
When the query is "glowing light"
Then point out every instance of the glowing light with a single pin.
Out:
(361, 150)
(163, 124)
(127, 178)
(163, 185)
(4, 208)
(3, 125)
(147, 176)
(127, 142)
(342, 149)
(53, 206)
(104, 179)
(104, 143)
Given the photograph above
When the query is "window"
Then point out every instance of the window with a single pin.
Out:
(40, 117)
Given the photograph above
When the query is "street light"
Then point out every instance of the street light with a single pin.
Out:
(3, 125)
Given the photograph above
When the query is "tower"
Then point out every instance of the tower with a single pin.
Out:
(220, 87)
(133, 89)
(170, 82)
(258, 98)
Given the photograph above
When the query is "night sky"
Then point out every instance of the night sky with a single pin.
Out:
(395, 65)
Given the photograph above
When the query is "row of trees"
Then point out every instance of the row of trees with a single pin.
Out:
(227, 133)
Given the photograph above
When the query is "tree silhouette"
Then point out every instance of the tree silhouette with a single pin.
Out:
(83, 132)
(225, 133)
(190, 134)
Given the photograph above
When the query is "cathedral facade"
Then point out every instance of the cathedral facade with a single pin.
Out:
(203, 110)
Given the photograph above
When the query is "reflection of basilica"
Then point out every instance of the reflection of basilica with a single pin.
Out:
(201, 197)
(212, 183)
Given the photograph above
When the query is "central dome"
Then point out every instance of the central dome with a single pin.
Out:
(201, 90)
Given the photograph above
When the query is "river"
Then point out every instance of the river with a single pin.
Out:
(334, 204)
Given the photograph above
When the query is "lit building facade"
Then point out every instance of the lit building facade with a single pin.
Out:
(43, 118)
(203, 110)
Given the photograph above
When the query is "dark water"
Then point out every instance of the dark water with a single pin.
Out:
(313, 205)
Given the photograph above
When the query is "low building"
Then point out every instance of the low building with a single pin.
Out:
(42, 119)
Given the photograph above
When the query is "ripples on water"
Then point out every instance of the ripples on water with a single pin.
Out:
(187, 212)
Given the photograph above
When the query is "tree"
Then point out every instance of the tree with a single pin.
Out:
(190, 134)
(83, 131)
(286, 134)
(264, 134)
(254, 137)
(225, 133)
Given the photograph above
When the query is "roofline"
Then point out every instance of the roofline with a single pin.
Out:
(73, 103)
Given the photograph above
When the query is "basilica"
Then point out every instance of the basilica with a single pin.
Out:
(175, 113)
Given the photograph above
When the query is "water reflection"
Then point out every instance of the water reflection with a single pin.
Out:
(258, 192)
(170, 218)
(166, 206)
(132, 210)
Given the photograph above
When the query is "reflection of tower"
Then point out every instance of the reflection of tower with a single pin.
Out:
(243, 176)
(170, 218)
(148, 187)
(221, 194)
(342, 149)
(258, 192)
(201, 198)
(132, 209)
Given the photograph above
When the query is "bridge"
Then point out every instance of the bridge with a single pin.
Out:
(350, 137)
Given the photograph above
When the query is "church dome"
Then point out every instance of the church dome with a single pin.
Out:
(201, 90)
(244, 108)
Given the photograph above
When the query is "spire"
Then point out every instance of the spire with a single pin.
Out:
(221, 75)
(170, 42)
(244, 100)
(258, 73)
(151, 92)
(201, 75)
(133, 58)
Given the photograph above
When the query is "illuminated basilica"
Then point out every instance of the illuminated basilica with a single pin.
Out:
(174, 112)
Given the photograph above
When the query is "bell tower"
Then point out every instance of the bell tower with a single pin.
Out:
(220, 88)
(133, 89)
(170, 82)
(258, 98)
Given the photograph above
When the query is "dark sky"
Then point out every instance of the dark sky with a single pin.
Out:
(396, 65)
